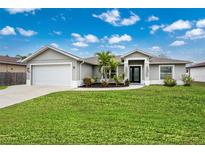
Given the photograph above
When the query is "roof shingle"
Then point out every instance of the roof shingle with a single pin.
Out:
(202, 64)
(10, 60)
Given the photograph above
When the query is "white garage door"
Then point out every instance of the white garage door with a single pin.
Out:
(52, 75)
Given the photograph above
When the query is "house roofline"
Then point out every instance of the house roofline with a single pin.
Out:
(12, 63)
(42, 49)
(137, 50)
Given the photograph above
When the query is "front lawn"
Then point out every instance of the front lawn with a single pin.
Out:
(151, 115)
(3, 87)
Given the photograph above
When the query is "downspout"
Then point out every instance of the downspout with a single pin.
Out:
(81, 69)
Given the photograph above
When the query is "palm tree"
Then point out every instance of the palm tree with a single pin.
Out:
(104, 58)
(113, 65)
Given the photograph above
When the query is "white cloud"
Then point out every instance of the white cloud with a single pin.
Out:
(113, 17)
(91, 38)
(82, 41)
(80, 44)
(155, 48)
(117, 38)
(54, 45)
(130, 21)
(26, 33)
(77, 36)
(154, 28)
(21, 10)
(193, 34)
(57, 32)
(200, 23)
(152, 18)
(177, 43)
(113, 46)
(7, 31)
(178, 25)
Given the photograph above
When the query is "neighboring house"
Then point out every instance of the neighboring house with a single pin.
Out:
(11, 64)
(197, 71)
(53, 66)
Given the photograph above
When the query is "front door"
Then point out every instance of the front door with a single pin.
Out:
(135, 74)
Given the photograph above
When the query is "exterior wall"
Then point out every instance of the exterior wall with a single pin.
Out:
(87, 71)
(154, 72)
(12, 68)
(96, 72)
(120, 69)
(198, 74)
(51, 56)
(179, 69)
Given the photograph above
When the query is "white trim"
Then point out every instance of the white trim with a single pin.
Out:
(127, 59)
(117, 71)
(140, 72)
(40, 64)
(49, 47)
(80, 69)
(139, 51)
(173, 71)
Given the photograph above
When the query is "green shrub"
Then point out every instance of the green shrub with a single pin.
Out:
(117, 79)
(168, 81)
(87, 81)
(95, 78)
(126, 82)
(187, 80)
(104, 83)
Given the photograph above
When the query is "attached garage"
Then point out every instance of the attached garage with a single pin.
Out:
(50, 66)
(52, 74)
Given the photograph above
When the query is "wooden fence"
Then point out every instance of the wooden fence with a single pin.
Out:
(11, 78)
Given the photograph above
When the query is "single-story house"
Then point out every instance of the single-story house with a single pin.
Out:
(11, 64)
(53, 66)
(197, 71)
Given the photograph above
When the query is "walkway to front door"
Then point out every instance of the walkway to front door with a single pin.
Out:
(135, 75)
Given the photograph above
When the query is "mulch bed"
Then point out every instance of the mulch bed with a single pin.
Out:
(98, 85)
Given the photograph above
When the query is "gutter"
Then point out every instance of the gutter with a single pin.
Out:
(81, 68)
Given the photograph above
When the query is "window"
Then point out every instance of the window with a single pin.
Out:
(166, 71)
(113, 73)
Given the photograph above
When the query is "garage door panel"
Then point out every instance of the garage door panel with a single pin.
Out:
(59, 75)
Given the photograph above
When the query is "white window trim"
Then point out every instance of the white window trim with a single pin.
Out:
(173, 71)
(140, 72)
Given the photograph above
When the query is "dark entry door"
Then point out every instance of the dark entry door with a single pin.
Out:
(135, 74)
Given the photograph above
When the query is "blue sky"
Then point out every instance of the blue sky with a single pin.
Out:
(177, 33)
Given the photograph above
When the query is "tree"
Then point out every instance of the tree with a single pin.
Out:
(113, 65)
(104, 59)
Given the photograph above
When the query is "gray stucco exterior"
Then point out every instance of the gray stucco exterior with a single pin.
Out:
(150, 68)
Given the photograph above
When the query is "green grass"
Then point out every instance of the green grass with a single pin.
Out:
(151, 115)
(3, 87)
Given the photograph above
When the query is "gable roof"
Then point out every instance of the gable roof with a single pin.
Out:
(162, 60)
(41, 50)
(94, 60)
(202, 64)
(10, 60)
(139, 51)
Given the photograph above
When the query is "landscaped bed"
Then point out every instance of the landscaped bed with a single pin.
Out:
(99, 85)
(151, 115)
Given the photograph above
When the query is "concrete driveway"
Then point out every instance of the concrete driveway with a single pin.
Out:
(19, 93)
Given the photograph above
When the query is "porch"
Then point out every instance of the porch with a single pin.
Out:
(137, 70)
